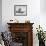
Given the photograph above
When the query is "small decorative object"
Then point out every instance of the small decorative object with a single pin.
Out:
(41, 36)
(20, 10)
(27, 21)
(13, 21)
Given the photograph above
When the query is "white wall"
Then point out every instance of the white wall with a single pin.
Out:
(0, 15)
(43, 14)
(43, 6)
(33, 10)
(33, 14)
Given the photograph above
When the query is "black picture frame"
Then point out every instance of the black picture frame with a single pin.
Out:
(20, 10)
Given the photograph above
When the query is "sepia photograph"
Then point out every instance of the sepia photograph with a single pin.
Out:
(20, 10)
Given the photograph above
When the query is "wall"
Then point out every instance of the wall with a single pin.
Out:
(33, 14)
(43, 14)
(0, 15)
(33, 10)
(43, 6)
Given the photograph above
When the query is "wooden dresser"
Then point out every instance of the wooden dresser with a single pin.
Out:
(22, 33)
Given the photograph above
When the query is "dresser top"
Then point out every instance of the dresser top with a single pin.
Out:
(19, 23)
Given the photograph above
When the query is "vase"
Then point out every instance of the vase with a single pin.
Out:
(41, 43)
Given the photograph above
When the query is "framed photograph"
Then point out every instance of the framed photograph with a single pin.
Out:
(20, 10)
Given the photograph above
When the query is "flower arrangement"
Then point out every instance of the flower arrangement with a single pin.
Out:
(40, 34)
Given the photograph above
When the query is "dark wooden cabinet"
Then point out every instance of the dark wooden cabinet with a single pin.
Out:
(22, 33)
